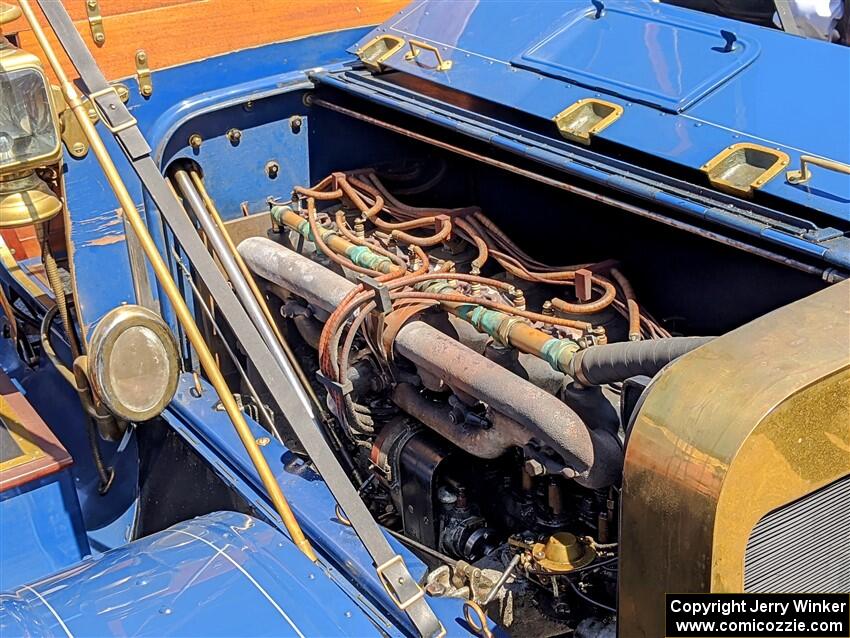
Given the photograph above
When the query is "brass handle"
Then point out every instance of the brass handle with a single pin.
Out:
(804, 174)
(417, 46)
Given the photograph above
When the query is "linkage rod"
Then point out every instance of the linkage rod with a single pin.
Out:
(163, 275)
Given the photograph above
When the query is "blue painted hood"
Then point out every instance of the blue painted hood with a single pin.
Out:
(691, 84)
(224, 574)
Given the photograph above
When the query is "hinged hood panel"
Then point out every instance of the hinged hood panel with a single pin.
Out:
(690, 86)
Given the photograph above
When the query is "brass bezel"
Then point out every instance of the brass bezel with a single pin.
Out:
(376, 64)
(782, 160)
(102, 342)
(12, 59)
(563, 118)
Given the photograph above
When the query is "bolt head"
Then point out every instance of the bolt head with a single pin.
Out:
(534, 467)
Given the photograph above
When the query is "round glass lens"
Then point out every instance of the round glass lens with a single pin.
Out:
(138, 369)
(27, 130)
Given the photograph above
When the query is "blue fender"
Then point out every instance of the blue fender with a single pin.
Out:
(223, 574)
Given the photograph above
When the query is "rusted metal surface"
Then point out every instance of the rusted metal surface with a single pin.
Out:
(595, 457)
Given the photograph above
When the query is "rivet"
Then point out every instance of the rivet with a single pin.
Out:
(234, 135)
(195, 141)
(272, 169)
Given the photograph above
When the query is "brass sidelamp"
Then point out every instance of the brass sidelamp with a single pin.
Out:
(29, 137)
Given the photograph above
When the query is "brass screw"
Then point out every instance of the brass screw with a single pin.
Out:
(234, 135)
(78, 149)
(195, 141)
(263, 441)
(146, 90)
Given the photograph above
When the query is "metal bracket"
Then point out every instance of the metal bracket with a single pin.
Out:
(343, 389)
(805, 174)
(95, 22)
(72, 135)
(143, 73)
(382, 294)
(417, 46)
(418, 593)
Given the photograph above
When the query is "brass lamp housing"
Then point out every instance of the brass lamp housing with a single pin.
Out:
(25, 199)
(13, 59)
(151, 383)
(727, 435)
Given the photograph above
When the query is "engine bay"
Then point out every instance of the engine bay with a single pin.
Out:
(477, 375)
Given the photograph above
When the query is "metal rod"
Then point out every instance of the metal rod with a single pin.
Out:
(577, 190)
(163, 275)
(209, 315)
(239, 283)
(255, 290)
(502, 580)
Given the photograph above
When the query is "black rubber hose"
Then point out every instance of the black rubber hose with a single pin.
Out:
(613, 362)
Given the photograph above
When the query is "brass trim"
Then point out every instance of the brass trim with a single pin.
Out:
(8, 13)
(12, 59)
(476, 619)
(95, 22)
(103, 339)
(143, 74)
(748, 423)
(804, 174)
(417, 46)
(72, 134)
(391, 44)
(171, 290)
(714, 168)
(29, 450)
(572, 127)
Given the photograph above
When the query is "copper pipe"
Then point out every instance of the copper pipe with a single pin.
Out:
(441, 222)
(172, 292)
(592, 306)
(342, 227)
(475, 238)
(631, 304)
(576, 190)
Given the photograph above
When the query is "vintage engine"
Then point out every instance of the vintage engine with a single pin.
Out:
(474, 391)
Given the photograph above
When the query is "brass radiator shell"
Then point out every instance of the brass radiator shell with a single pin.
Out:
(741, 426)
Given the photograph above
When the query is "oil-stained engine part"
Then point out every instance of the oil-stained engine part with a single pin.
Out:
(593, 458)
(613, 362)
(520, 409)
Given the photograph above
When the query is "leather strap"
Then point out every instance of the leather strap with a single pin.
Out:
(401, 587)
